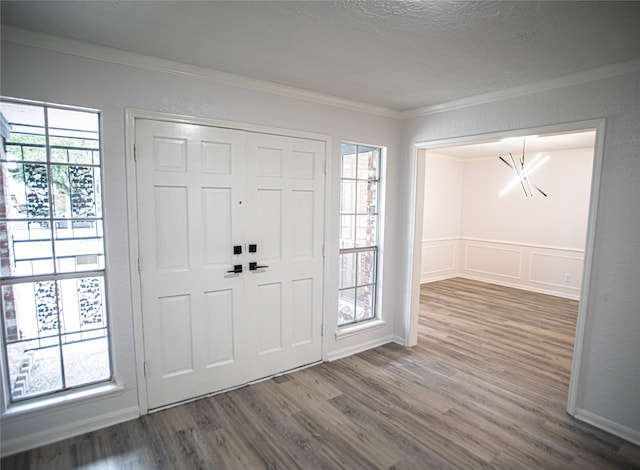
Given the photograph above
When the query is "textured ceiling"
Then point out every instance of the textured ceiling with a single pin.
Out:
(400, 55)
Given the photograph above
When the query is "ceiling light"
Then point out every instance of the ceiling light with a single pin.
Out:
(522, 173)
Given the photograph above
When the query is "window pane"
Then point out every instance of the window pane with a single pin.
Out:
(15, 191)
(41, 315)
(366, 267)
(77, 191)
(348, 161)
(348, 197)
(364, 303)
(347, 276)
(36, 183)
(25, 120)
(367, 198)
(78, 355)
(34, 370)
(83, 301)
(368, 158)
(347, 231)
(366, 231)
(74, 136)
(346, 306)
(80, 246)
(30, 251)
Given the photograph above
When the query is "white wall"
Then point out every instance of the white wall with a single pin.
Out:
(534, 243)
(443, 201)
(442, 220)
(608, 376)
(38, 74)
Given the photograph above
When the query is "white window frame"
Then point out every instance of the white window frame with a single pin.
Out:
(79, 391)
(348, 329)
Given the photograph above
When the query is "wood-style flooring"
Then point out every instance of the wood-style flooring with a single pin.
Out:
(486, 387)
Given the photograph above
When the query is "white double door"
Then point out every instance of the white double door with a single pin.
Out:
(202, 191)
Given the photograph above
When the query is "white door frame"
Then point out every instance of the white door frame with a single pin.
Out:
(416, 214)
(131, 114)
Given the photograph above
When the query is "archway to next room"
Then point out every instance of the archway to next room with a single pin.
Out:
(514, 209)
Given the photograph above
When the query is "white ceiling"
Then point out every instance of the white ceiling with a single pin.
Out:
(399, 55)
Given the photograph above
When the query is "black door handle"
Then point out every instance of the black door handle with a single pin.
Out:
(253, 266)
(237, 268)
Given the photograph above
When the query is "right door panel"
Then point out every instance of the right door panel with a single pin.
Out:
(285, 193)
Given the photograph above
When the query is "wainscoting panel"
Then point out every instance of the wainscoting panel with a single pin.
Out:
(546, 269)
(558, 271)
(439, 259)
(498, 261)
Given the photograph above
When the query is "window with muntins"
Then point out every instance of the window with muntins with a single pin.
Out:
(52, 260)
(359, 233)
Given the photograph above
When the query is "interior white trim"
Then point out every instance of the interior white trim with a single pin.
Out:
(600, 73)
(351, 330)
(131, 114)
(133, 59)
(504, 242)
(575, 388)
(616, 429)
(360, 347)
(67, 430)
(69, 399)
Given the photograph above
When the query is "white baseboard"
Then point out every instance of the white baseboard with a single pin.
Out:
(399, 340)
(623, 432)
(65, 431)
(441, 277)
(358, 348)
(504, 284)
(515, 285)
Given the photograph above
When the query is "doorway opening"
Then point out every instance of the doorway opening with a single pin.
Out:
(515, 245)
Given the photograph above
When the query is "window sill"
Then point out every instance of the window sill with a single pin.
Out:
(68, 399)
(351, 330)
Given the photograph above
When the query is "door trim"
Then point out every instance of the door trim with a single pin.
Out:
(133, 114)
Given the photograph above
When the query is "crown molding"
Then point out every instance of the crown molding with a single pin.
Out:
(600, 73)
(142, 61)
(133, 59)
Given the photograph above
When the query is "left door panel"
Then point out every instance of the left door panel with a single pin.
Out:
(190, 183)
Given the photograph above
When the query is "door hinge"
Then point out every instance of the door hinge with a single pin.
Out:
(139, 265)
(146, 370)
(135, 153)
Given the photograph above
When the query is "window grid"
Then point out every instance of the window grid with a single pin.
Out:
(55, 329)
(359, 216)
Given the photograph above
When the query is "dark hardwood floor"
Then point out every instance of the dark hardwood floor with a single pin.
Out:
(486, 387)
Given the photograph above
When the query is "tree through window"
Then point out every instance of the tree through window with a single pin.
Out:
(54, 317)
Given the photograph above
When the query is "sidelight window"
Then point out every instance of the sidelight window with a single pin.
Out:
(52, 260)
(359, 233)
